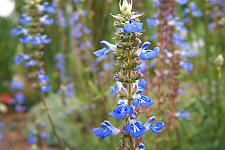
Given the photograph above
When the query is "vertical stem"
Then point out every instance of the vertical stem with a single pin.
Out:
(46, 109)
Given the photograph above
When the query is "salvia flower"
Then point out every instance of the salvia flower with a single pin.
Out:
(108, 47)
(20, 58)
(46, 7)
(129, 57)
(135, 128)
(17, 31)
(132, 26)
(182, 114)
(142, 101)
(182, 2)
(186, 65)
(25, 19)
(106, 130)
(146, 54)
(122, 110)
(16, 84)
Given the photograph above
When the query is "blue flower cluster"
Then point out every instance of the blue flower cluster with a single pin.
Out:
(128, 106)
(38, 39)
(179, 36)
(76, 26)
(28, 36)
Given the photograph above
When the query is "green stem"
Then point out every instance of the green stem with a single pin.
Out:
(46, 109)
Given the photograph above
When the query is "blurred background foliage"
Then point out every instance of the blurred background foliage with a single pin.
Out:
(204, 90)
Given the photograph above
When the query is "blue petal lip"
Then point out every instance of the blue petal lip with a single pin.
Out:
(146, 54)
(145, 45)
(143, 101)
(101, 52)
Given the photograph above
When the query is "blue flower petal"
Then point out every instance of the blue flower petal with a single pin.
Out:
(146, 54)
(143, 101)
(101, 52)
(121, 111)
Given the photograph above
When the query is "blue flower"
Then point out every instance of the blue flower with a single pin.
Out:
(142, 101)
(20, 108)
(44, 135)
(182, 114)
(19, 97)
(32, 138)
(142, 68)
(46, 21)
(43, 78)
(69, 90)
(30, 63)
(87, 30)
(156, 3)
(122, 110)
(26, 39)
(141, 86)
(16, 85)
(153, 36)
(146, 54)
(141, 146)
(188, 53)
(45, 88)
(114, 90)
(17, 31)
(60, 64)
(131, 26)
(180, 91)
(195, 12)
(40, 39)
(20, 58)
(186, 65)
(135, 128)
(103, 51)
(107, 67)
(182, 2)
(154, 128)
(25, 19)
(152, 22)
(106, 130)
(46, 7)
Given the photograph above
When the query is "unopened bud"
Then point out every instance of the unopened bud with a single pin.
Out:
(219, 61)
(126, 7)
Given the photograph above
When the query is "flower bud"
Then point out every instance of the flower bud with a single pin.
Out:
(3, 108)
(219, 61)
(126, 7)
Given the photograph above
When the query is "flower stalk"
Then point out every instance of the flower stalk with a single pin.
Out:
(129, 53)
(33, 39)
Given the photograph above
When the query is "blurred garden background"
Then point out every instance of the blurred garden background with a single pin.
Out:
(78, 95)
